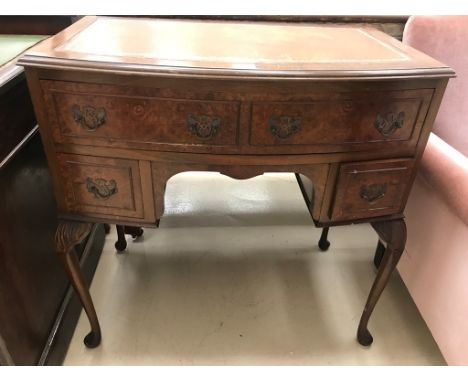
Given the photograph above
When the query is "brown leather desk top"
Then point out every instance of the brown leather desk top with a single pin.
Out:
(216, 48)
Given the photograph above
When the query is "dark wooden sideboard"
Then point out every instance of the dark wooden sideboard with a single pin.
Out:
(38, 312)
(125, 104)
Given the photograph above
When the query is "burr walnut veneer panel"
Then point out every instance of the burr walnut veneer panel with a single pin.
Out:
(102, 186)
(371, 188)
(116, 116)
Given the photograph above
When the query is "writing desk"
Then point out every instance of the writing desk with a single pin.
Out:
(125, 104)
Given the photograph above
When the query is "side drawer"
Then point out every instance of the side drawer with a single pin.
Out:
(98, 186)
(370, 189)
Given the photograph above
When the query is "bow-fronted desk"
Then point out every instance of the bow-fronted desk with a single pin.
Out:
(124, 104)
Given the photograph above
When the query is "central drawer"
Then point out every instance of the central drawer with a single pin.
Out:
(114, 116)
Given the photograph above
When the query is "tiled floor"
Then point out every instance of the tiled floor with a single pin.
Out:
(234, 276)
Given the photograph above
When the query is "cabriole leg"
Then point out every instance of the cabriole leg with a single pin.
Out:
(379, 252)
(134, 231)
(123, 230)
(121, 242)
(68, 235)
(323, 242)
(393, 233)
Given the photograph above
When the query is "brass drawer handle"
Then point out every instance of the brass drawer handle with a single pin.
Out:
(283, 126)
(373, 192)
(203, 126)
(101, 188)
(388, 123)
(88, 116)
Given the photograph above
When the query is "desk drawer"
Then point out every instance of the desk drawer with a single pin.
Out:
(369, 189)
(344, 119)
(101, 186)
(116, 116)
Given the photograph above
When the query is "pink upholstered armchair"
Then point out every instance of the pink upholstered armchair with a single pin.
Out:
(434, 266)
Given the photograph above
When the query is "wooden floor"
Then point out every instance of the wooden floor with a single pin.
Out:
(234, 276)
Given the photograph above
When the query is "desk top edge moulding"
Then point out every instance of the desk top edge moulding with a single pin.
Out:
(123, 104)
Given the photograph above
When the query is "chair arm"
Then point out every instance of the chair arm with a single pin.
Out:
(446, 171)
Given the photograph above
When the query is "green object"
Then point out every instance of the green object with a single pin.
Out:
(11, 45)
